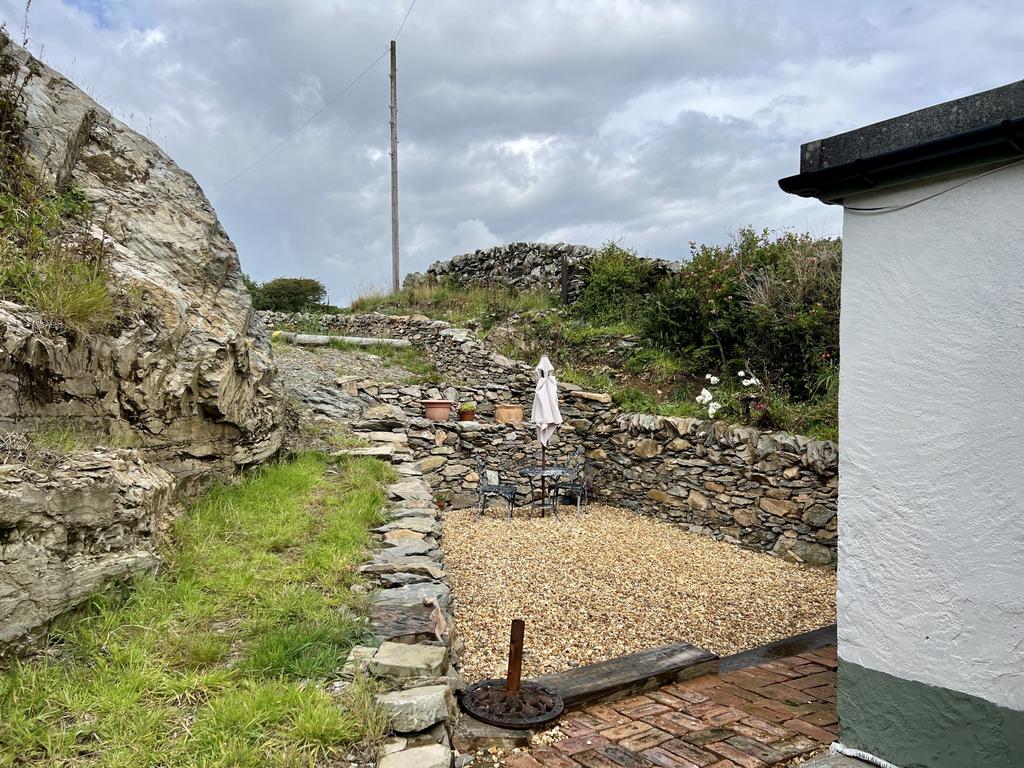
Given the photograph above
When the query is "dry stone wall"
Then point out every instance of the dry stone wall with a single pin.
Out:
(769, 491)
(521, 267)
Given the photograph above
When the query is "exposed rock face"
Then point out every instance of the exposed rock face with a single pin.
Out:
(194, 382)
(66, 530)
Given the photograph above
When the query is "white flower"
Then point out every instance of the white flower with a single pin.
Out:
(705, 397)
(713, 409)
(751, 382)
(741, 374)
(714, 380)
(707, 376)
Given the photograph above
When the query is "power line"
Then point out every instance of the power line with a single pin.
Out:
(295, 132)
(904, 206)
(402, 25)
(302, 125)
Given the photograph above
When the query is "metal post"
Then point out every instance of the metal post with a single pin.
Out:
(394, 169)
(515, 656)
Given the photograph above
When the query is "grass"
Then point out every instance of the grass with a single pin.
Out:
(48, 260)
(409, 358)
(218, 660)
(460, 306)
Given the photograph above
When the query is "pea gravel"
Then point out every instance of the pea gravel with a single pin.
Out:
(611, 582)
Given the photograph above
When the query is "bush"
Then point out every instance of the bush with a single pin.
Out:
(617, 285)
(770, 305)
(289, 294)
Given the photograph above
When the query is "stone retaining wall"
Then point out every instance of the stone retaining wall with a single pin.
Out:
(770, 491)
(521, 267)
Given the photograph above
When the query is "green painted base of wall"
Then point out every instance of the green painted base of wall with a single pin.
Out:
(914, 725)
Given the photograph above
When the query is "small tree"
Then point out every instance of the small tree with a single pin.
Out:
(290, 294)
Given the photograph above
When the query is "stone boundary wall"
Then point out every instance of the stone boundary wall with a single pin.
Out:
(774, 492)
(521, 267)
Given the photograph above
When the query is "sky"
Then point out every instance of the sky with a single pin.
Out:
(649, 122)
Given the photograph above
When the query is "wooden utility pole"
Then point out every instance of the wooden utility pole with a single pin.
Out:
(394, 169)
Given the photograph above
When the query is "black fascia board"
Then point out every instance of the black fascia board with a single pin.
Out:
(992, 144)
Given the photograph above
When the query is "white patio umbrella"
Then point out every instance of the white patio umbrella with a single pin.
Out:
(545, 414)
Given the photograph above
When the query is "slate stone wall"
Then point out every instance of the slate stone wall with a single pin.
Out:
(522, 267)
(769, 491)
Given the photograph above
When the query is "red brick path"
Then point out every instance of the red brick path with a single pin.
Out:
(750, 718)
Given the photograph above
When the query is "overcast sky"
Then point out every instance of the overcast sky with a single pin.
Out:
(652, 122)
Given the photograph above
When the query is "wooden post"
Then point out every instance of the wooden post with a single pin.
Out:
(394, 169)
(515, 656)
(565, 281)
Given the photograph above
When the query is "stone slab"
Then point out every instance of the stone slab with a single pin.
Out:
(416, 709)
(472, 735)
(432, 756)
(619, 677)
(408, 624)
(407, 661)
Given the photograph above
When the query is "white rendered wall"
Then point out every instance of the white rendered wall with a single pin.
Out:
(931, 533)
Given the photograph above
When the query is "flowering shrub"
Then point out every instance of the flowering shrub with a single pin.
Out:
(768, 302)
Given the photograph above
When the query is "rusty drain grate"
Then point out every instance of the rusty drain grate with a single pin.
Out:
(511, 703)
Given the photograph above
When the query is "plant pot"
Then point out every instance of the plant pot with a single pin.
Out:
(438, 410)
(467, 415)
(507, 413)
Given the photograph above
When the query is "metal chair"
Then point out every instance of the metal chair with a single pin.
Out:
(506, 491)
(574, 480)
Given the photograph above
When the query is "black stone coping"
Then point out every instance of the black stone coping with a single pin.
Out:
(982, 129)
(634, 673)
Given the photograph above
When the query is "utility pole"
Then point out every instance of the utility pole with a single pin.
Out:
(394, 169)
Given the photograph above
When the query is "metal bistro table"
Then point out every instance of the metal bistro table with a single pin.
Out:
(548, 478)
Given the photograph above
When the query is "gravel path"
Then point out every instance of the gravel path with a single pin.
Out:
(610, 582)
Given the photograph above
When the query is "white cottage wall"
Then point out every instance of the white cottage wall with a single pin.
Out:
(931, 574)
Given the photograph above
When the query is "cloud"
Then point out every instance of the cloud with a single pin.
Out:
(652, 122)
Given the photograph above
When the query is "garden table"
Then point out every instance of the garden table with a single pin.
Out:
(533, 474)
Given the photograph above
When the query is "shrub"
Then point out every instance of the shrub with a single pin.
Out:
(617, 285)
(290, 294)
(770, 304)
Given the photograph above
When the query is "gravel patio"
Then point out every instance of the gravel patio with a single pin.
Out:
(611, 582)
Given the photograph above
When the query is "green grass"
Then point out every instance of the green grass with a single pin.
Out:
(48, 260)
(459, 306)
(216, 661)
(409, 358)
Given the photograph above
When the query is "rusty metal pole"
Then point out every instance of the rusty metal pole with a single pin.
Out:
(515, 656)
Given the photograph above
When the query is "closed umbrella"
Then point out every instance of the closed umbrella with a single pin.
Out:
(545, 414)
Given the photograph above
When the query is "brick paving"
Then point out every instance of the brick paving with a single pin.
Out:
(759, 716)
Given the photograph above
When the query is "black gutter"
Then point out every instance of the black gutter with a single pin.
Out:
(989, 145)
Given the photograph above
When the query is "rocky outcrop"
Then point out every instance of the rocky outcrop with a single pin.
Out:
(192, 382)
(67, 528)
(523, 267)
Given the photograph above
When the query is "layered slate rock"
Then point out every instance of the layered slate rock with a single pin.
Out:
(67, 529)
(189, 380)
(192, 381)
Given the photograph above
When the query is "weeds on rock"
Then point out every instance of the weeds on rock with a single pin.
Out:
(50, 261)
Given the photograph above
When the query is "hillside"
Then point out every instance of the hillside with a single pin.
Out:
(747, 332)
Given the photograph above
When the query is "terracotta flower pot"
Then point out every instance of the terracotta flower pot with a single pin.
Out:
(507, 413)
(438, 410)
(467, 415)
